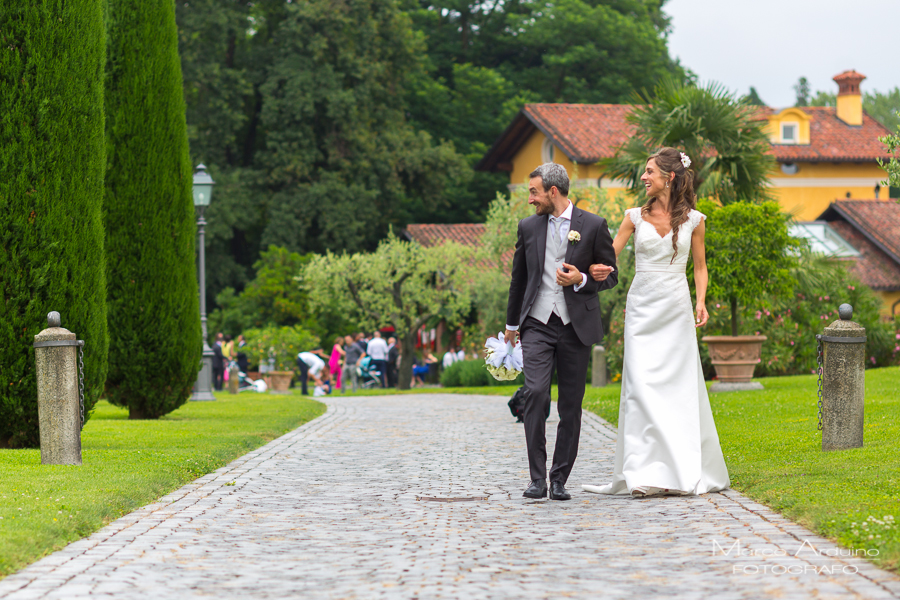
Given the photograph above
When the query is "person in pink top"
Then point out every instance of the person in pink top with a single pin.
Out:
(334, 364)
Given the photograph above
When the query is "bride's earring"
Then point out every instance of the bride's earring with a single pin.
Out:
(667, 185)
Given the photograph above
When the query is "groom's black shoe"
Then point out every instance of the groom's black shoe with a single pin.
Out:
(558, 491)
(537, 489)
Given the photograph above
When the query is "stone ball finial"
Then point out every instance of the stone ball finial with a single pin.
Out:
(54, 320)
(845, 311)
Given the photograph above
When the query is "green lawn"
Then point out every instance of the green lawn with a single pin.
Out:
(128, 464)
(773, 452)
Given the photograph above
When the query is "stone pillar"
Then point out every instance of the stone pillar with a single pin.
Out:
(59, 407)
(843, 383)
(233, 381)
(598, 370)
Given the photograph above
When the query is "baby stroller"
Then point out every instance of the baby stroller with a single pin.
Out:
(369, 376)
(245, 384)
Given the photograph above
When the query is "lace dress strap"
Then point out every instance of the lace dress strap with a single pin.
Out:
(695, 216)
(635, 215)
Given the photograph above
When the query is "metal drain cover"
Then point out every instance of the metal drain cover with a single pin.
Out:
(459, 499)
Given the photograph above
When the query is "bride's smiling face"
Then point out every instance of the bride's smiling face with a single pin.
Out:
(654, 179)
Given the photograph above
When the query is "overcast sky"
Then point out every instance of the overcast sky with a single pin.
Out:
(770, 44)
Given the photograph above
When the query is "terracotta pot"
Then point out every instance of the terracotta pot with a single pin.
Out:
(735, 357)
(280, 381)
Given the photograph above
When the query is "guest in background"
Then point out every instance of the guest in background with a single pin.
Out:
(461, 355)
(334, 363)
(218, 363)
(420, 371)
(450, 357)
(352, 356)
(393, 363)
(377, 350)
(361, 341)
(311, 365)
(240, 350)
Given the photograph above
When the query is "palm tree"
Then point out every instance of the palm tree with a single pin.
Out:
(723, 136)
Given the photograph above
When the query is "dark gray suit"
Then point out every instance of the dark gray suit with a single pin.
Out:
(550, 344)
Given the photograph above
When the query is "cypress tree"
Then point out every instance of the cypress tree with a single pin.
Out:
(51, 190)
(154, 321)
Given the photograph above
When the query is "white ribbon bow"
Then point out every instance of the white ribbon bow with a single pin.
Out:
(503, 354)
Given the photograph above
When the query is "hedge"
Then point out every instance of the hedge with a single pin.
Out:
(52, 163)
(154, 321)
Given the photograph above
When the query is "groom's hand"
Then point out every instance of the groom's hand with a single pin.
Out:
(510, 336)
(600, 272)
(572, 277)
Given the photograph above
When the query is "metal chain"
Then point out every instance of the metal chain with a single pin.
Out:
(820, 370)
(81, 379)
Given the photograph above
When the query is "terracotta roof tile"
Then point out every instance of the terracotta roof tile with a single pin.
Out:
(880, 220)
(873, 228)
(467, 234)
(832, 140)
(588, 132)
(584, 132)
(873, 267)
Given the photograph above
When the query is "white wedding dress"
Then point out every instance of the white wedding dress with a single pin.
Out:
(667, 440)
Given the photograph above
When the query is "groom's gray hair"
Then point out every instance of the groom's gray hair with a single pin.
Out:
(551, 175)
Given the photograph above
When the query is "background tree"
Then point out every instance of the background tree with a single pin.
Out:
(803, 92)
(154, 322)
(275, 299)
(748, 249)
(753, 98)
(51, 187)
(315, 150)
(401, 284)
(726, 143)
(291, 101)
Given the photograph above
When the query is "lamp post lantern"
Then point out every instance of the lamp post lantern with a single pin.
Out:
(203, 185)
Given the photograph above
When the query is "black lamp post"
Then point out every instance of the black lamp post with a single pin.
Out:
(203, 185)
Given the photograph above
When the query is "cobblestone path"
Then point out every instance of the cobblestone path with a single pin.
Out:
(420, 497)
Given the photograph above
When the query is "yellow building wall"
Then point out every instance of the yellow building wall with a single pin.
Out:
(888, 299)
(530, 157)
(808, 193)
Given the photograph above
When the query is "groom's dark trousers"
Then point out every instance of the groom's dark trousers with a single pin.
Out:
(542, 346)
(570, 345)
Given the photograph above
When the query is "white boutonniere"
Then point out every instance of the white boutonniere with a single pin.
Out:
(574, 237)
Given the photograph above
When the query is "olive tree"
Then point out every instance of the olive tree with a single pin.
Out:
(401, 284)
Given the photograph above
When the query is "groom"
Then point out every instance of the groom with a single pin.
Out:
(554, 309)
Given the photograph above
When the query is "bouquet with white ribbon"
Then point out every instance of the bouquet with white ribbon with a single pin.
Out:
(502, 360)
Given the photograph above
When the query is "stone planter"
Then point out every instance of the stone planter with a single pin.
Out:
(280, 381)
(735, 358)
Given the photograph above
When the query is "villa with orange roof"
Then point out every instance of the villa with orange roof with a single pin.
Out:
(822, 153)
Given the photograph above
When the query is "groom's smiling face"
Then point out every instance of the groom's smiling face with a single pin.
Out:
(538, 198)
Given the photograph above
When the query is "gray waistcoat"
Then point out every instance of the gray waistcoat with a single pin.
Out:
(550, 297)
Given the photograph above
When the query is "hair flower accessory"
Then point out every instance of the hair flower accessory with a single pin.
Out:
(574, 237)
(685, 160)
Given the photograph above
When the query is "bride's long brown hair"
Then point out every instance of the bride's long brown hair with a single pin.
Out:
(682, 198)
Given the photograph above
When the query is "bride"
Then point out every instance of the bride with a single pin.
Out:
(667, 441)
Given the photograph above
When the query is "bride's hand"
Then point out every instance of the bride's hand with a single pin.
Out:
(702, 316)
(600, 272)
